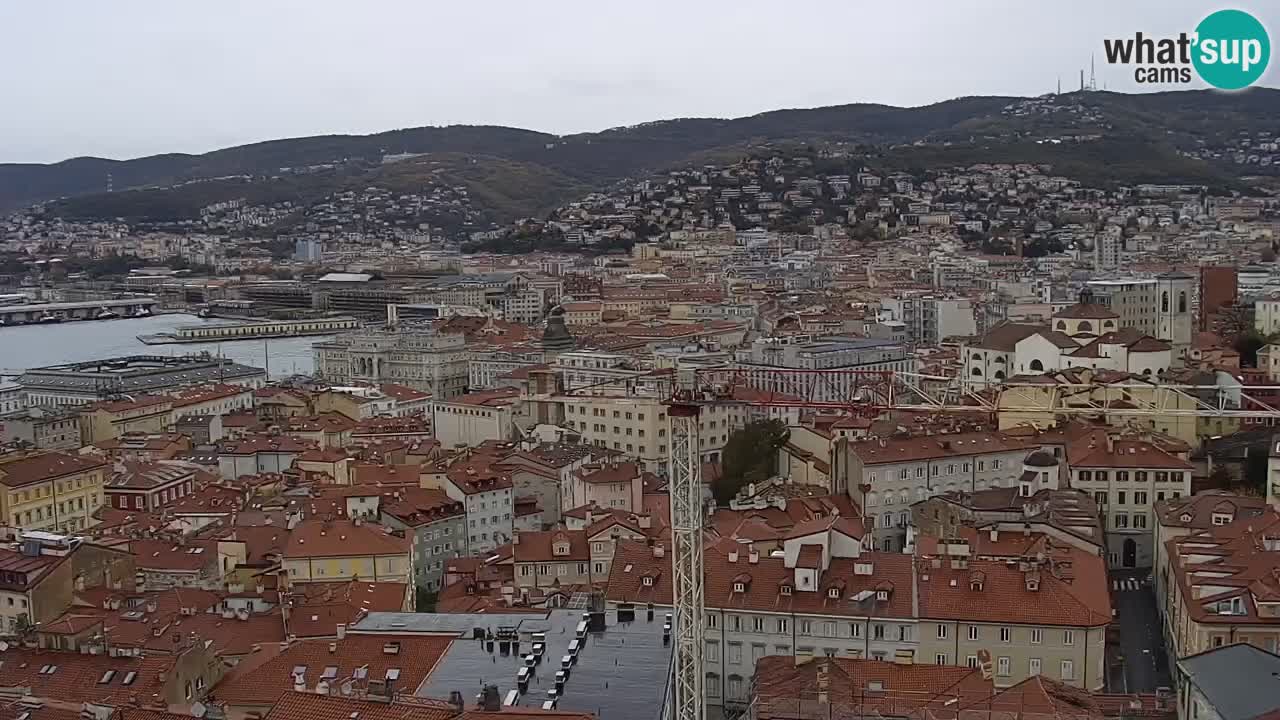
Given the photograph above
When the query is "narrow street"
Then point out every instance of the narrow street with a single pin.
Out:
(1136, 660)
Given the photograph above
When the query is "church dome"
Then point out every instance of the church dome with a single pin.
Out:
(556, 336)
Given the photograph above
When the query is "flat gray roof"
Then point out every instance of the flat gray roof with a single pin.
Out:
(1240, 680)
(621, 673)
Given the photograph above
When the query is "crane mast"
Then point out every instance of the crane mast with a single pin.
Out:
(685, 489)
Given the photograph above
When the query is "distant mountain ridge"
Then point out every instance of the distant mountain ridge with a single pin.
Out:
(593, 159)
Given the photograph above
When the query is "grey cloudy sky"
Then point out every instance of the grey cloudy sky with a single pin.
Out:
(125, 78)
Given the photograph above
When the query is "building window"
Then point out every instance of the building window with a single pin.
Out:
(1037, 636)
(1005, 635)
(973, 632)
(942, 632)
(713, 651)
(1033, 666)
(1068, 637)
(1003, 666)
(940, 659)
(1068, 670)
(735, 653)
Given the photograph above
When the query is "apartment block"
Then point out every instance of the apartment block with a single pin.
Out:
(51, 491)
(896, 472)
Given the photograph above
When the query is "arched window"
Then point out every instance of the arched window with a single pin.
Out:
(713, 685)
(1164, 301)
(1084, 326)
(737, 689)
(977, 372)
(1108, 324)
(999, 374)
(977, 357)
(1037, 365)
(1062, 324)
(999, 359)
(1146, 371)
(1182, 301)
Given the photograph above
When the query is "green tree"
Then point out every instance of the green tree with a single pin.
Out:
(1255, 471)
(1248, 344)
(750, 455)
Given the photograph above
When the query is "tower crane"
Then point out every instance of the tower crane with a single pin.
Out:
(873, 392)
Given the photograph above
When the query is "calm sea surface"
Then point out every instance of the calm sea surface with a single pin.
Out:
(38, 345)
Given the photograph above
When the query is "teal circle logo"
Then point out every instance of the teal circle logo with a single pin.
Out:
(1232, 49)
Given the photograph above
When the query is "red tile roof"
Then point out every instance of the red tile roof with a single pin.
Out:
(264, 682)
(342, 538)
(77, 677)
(318, 608)
(540, 546)
(204, 393)
(1073, 590)
(45, 466)
(310, 706)
(763, 581)
(877, 451)
(1086, 311)
(403, 393)
(857, 687)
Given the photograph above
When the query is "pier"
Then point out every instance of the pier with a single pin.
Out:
(88, 310)
(223, 332)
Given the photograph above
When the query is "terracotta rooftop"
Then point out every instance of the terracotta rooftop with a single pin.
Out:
(878, 451)
(74, 677)
(1086, 311)
(31, 469)
(371, 656)
(342, 538)
(1072, 590)
(310, 706)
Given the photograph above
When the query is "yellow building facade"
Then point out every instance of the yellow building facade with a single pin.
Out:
(52, 491)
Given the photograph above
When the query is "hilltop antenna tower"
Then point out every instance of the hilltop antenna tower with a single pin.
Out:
(1093, 80)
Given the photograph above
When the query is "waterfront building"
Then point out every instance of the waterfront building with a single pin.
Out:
(82, 383)
(421, 359)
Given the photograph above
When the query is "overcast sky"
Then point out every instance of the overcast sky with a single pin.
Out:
(126, 78)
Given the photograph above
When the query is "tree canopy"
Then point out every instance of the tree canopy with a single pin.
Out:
(750, 455)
